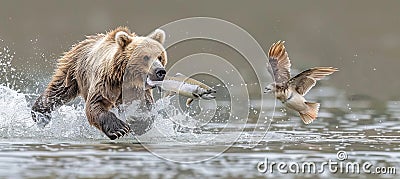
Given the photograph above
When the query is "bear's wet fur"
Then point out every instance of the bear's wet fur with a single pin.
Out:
(95, 69)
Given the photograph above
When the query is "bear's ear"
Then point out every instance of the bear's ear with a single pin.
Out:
(122, 38)
(158, 35)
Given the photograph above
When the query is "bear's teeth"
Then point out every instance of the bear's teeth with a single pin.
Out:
(149, 82)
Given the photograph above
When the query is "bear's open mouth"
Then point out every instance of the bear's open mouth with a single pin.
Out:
(149, 84)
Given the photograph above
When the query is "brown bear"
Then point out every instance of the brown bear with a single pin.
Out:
(95, 69)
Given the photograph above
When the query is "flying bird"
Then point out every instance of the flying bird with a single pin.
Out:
(291, 91)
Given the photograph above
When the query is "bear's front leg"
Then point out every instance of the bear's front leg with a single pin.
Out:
(55, 95)
(97, 111)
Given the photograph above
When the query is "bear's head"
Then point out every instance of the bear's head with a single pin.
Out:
(144, 56)
(138, 60)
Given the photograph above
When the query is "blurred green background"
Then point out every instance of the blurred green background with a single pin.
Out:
(360, 37)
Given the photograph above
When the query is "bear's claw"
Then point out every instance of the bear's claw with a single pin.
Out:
(126, 130)
(112, 126)
(118, 133)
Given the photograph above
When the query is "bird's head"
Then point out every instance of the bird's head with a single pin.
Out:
(270, 88)
(273, 87)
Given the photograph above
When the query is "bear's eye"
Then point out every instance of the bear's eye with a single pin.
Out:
(146, 57)
(159, 58)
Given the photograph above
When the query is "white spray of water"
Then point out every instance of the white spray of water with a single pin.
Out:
(16, 122)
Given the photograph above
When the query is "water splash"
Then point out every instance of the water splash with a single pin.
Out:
(67, 121)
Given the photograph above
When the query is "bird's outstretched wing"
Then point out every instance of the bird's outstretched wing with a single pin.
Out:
(280, 63)
(304, 81)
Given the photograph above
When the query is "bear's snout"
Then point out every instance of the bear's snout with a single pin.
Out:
(160, 73)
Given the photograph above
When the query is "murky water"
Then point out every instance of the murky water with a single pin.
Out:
(69, 147)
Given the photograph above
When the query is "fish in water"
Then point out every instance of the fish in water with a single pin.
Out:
(291, 91)
(184, 86)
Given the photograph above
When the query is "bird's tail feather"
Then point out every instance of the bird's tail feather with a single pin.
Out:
(311, 114)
